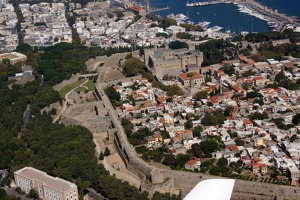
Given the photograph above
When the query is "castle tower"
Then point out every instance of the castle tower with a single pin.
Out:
(147, 6)
(199, 59)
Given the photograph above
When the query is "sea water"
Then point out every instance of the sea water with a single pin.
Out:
(226, 15)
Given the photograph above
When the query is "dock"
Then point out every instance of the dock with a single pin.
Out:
(205, 3)
(255, 9)
(152, 10)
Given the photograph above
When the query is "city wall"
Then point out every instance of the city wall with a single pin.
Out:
(155, 179)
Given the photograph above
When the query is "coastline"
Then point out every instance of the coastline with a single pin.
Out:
(224, 15)
(257, 10)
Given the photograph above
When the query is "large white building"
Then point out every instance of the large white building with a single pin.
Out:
(48, 187)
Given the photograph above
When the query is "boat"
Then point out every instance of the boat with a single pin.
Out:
(190, 22)
(216, 28)
(198, 13)
(273, 24)
(204, 23)
(244, 32)
(179, 17)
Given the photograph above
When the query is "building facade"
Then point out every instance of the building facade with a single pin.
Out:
(191, 79)
(13, 57)
(164, 59)
(48, 187)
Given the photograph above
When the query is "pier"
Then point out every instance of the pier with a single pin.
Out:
(205, 3)
(152, 10)
(255, 9)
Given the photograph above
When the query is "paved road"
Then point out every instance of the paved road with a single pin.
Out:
(26, 116)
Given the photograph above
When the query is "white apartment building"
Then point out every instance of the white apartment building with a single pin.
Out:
(48, 187)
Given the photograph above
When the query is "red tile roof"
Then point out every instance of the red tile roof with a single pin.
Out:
(233, 147)
(247, 122)
(190, 162)
(214, 99)
(257, 78)
(135, 8)
(196, 75)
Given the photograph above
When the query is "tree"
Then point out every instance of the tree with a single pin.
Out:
(184, 35)
(181, 159)
(2, 193)
(106, 152)
(197, 131)
(112, 93)
(165, 35)
(174, 90)
(18, 190)
(165, 196)
(222, 162)
(280, 76)
(133, 67)
(215, 170)
(296, 119)
(178, 45)
(293, 138)
(196, 150)
(228, 110)
(200, 95)
(128, 126)
(190, 74)
(169, 160)
(101, 156)
(33, 194)
(209, 146)
(239, 142)
(245, 86)
(188, 124)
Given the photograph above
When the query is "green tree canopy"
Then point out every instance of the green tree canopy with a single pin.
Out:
(200, 95)
(133, 67)
(209, 146)
(178, 45)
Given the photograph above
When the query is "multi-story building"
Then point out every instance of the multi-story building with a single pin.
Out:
(191, 79)
(48, 187)
(163, 59)
(13, 57)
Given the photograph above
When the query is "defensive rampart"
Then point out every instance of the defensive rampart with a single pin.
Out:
(155, 179)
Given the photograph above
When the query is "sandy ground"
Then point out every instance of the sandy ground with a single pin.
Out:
(113, 163)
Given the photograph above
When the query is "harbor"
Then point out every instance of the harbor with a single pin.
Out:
(152, 10)
(226, 15)
(275, 20)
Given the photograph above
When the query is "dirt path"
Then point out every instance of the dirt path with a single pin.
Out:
(67, 100)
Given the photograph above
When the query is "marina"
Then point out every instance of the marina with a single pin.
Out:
(278, 21)
(227, 15)
(206, 3)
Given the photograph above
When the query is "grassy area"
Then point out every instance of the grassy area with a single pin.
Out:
(90, 85)
(63, 91)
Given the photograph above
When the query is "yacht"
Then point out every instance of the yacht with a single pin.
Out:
(179, 17)
(216, 28)
(204, 23)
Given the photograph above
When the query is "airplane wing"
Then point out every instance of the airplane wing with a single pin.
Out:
(212, 189)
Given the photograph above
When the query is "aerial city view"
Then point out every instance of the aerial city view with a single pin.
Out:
(150, 100)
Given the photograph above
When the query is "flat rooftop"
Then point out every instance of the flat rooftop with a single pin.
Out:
(50, 181)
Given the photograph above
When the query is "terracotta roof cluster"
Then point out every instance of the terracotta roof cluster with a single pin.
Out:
(185, 76)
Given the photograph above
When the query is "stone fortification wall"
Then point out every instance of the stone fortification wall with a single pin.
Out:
(165, 187)
(73, 79)
(150, 172)
(154, 179)
(85, 115)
